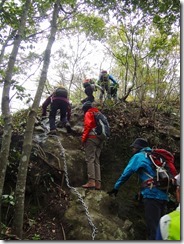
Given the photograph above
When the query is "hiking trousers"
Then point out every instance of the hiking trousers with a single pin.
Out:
(93, 148)
(154, 210)
(105, 87)
(54, 107)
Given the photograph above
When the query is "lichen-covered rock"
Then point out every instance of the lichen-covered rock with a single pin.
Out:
(89, 211)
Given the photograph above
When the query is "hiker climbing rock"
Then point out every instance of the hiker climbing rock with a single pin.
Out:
(90, 87)
(92, 147)
(154, 199)
(58, 100)
(104, 81)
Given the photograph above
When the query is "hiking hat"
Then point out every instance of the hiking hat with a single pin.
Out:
(139, 143)
(86, 106)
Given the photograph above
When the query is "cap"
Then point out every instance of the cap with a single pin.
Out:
(139, 143)
(86, 105)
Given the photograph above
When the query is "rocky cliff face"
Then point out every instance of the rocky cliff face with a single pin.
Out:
(59, 207)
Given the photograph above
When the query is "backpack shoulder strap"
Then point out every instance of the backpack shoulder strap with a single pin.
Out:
(150, 156)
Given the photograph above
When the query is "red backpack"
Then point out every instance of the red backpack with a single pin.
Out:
(164, 158)
(163, 162)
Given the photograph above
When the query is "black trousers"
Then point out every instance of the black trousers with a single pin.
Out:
(54, 107)
(154, 210)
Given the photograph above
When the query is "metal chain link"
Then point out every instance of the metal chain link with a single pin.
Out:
(94, 228)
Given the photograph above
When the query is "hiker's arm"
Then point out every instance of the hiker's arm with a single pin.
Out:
(99, 87)
(45, 105)
(112, 79)
(88, 125)
(128, 171)
(68, 112)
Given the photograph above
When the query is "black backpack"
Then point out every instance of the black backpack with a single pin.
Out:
(61, 92)
(102, 126)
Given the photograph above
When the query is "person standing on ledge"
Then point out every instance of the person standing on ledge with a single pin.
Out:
(92, 147)
(154, 199)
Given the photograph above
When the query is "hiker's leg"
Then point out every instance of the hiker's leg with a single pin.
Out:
(108, 90)
(101, 96)
(91, 98)
(63, 111)
(63, 117)
(90, 149)
(153, 213)
(99, 146)
(52, 115)
(115, 96)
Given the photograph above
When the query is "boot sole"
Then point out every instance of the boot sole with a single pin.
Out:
(90, 188)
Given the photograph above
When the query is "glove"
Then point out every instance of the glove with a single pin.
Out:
(113, 192)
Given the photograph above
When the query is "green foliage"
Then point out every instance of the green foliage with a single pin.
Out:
(3, 229)
(109, 103)
(8, 199)
(163, 43)
(10, 13)
(93, 26)
(21, 92)
(163, 13)
(20, 118)
(36, 237)
(150, 54)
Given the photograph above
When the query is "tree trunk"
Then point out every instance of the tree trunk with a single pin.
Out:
(5, 44)
(27, 144)
(6, 114)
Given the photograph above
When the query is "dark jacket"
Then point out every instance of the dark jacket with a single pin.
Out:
(52, 98)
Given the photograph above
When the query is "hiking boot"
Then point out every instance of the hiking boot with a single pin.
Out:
(90, 184)
(52, 132)
(97, 185)
(68, 127)
(60, 124)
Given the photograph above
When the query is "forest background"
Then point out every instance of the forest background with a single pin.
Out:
(49, 43)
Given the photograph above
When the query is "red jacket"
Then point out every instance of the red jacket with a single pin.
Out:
(89, 124)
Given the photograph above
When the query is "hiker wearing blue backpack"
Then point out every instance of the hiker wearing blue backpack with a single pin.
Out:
(105, 81)
(154, 199)
(92, 146)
